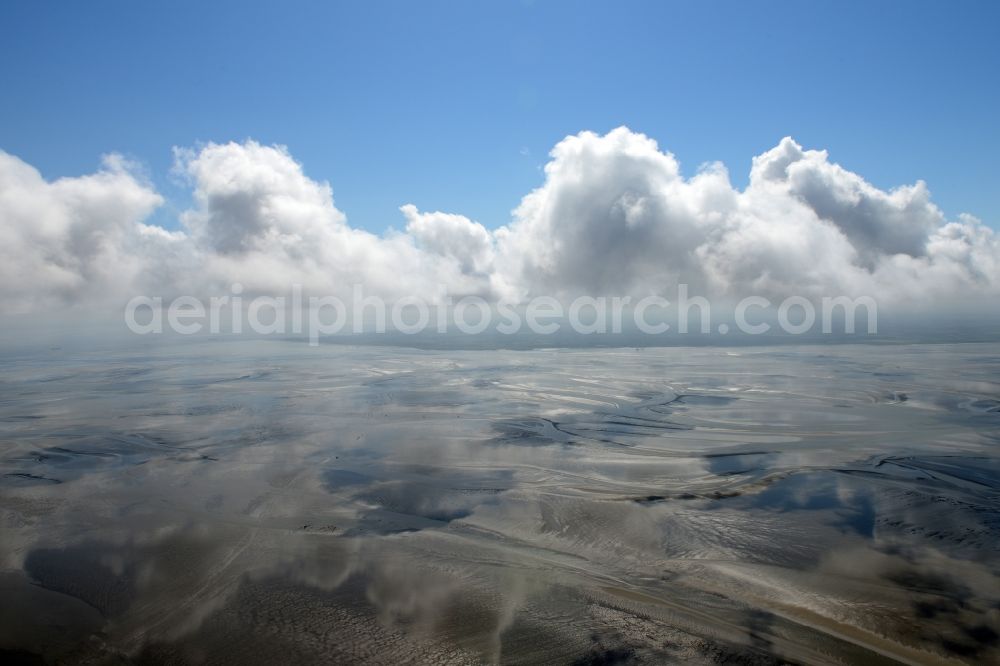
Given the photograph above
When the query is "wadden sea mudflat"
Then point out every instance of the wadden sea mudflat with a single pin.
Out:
(265, 501)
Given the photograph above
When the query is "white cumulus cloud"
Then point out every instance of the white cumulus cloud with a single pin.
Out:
(72, 239)
(614, 215)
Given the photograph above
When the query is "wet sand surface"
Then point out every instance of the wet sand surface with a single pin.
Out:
(267, 502)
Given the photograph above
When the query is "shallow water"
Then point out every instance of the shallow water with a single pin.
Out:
(262, 501)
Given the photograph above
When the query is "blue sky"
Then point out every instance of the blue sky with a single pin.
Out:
(453, 106)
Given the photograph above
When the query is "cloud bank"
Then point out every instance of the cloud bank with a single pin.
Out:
(614, 216)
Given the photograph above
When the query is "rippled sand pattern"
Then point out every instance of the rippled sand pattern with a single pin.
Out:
(266, 502)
